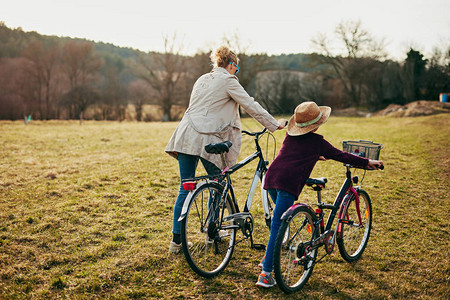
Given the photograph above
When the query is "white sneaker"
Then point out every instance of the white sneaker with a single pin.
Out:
(222, 234)
(175, 248)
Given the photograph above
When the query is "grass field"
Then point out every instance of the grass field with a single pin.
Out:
(85, 212)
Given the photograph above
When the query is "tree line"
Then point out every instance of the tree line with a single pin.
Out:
(49, 77)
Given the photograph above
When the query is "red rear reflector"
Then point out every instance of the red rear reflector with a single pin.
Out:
(189, 185)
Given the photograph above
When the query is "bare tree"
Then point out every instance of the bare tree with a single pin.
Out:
(113, 102)
(250, 64)
(200, 64)
(17, 92)
(196, 66)
(351, 62)
(280, 91)
(163, 72)
(80, 62)
(139, 94)
(41, 70)
(80, 66)
(80, 98)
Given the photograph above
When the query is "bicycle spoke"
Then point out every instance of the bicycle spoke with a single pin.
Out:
(355, 228)
(200, 215)
(209, 253)
(304, 223)
(293, 259)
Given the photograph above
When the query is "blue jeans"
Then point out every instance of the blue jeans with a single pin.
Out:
(188, 164)
(283, 200)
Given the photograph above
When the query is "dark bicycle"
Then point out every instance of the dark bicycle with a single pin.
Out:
(303, 230)
(210, 217)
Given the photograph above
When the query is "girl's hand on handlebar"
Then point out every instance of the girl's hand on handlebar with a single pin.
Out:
(282, 123)
(375, 164)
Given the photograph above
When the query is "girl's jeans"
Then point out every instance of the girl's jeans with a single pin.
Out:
(283, 200)
(188, 164)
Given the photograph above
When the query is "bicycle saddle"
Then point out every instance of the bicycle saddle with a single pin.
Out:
(317, 181)
(218, 148)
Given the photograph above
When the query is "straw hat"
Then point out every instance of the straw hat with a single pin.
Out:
(307, 117)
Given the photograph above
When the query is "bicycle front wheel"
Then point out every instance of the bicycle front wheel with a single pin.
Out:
(355, 225)
(293, 255)
(208, 241)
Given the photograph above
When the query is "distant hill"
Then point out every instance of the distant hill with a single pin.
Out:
(14, 40)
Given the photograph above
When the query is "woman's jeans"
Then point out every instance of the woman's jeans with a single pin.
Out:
(283, 200)
(188, 164)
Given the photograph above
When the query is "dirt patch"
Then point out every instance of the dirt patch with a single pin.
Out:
(415, 109)
(350, 112)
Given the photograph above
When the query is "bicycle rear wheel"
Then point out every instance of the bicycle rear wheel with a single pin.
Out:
(212, 242)
(355, 231)
(293, 257)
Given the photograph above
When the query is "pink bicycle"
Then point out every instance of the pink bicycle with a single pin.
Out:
(303, 230)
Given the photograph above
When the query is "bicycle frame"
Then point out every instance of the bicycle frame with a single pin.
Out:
(327, 236)
(225, 177)
(260, 170)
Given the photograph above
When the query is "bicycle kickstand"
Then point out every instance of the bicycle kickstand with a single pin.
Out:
(260, 247)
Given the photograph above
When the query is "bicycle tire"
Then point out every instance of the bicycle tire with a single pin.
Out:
(293, 258)
(211, 248)
(353, 237)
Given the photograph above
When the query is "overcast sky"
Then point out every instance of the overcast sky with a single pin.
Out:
(272, 27)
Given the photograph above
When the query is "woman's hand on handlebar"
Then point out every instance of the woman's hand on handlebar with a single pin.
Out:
(375, 164)
(282, 123)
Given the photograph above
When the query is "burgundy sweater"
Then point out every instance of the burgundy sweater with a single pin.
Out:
(297, 158)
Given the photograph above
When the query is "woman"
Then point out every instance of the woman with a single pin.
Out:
(212, 117)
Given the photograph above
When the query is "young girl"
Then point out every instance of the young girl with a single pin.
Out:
(288, 173)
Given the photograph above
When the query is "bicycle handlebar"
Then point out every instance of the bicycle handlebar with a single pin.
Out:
(369, 169)
(254, 133)
(381, 167)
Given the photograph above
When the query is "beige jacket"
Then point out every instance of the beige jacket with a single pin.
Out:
(213, 117)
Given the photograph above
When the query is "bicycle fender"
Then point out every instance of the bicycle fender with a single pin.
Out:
(265, 200)
(291, 209)
(347, 198)
(188, 200)
(185, 206)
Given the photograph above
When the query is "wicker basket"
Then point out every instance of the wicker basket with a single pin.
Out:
(367, 149)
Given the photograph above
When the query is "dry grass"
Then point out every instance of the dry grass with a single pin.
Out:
(85, 212)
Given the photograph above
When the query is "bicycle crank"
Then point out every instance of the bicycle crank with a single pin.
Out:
(244, 220)
(327, 239)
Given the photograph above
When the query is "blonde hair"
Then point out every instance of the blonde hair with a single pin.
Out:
(223, 56)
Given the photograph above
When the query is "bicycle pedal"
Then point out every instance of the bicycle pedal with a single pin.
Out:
(260, 247)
